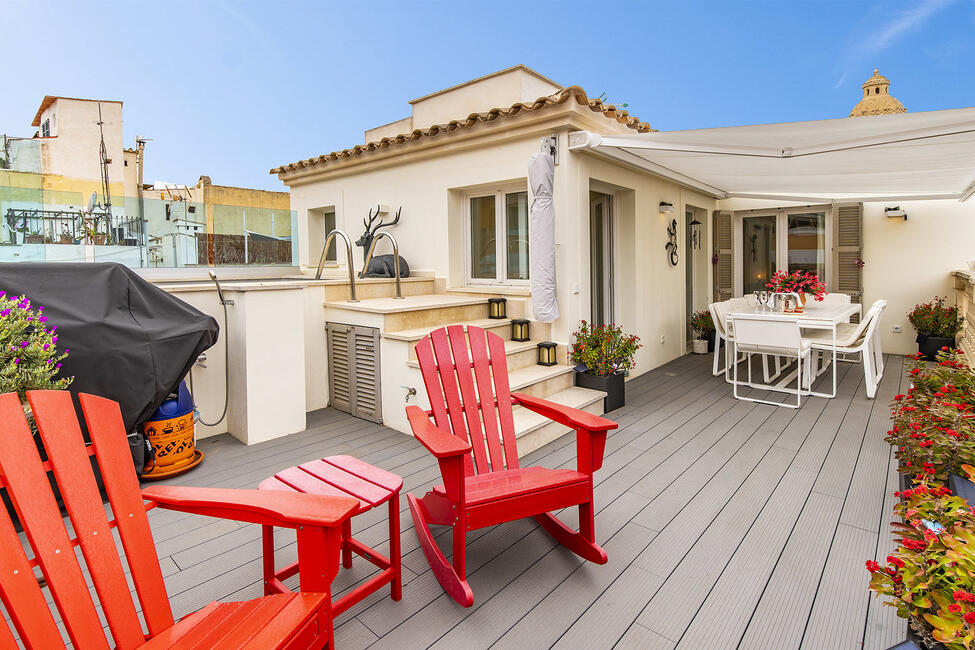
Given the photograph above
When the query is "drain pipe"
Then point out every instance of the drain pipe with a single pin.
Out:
(226, 353)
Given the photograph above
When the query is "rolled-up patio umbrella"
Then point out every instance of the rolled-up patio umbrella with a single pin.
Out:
(541, 175)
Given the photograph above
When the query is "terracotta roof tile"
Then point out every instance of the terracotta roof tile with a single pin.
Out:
(572, 92)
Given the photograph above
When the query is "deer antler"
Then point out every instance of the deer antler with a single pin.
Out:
(391, 223)
(372, 218)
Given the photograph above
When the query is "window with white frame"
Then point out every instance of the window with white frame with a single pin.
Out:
(787, 239)
(496, 232)
(46, 129)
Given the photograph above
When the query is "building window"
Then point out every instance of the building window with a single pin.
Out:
(330, 255)
(496, 224)
(787, 239)
(46, 129)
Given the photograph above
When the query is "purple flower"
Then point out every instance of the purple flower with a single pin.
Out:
(54, 339)
(2, 294)
(66, 350)
(43, 319)
(5, 312)
(46, 346)
(30, 318)
(58, 366)
(24, 344)
(16, 360)
(49, 361)
(53, 328)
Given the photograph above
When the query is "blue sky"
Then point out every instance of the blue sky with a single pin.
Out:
(230, 89)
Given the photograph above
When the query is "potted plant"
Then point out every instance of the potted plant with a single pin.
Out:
(800, 283)
(936, 325)
(930, 578)
(604, 354)
(36, 237)
(702, 323)
(29, 358)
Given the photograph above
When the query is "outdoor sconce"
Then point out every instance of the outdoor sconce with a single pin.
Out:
(546, 353)
(497, 308)
(519, 330)
(895, 212)
(695, 233)
(666, 207)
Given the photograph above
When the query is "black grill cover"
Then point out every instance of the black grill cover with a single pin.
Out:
(129, 341)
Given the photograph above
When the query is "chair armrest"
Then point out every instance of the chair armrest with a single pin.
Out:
(272, 508)
(440, 443)
(570, 417)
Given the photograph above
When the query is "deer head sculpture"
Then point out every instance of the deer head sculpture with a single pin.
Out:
(366, 239)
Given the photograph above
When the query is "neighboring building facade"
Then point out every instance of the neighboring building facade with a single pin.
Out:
(47, 214)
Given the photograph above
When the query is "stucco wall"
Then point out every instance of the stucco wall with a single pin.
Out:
(906, 262)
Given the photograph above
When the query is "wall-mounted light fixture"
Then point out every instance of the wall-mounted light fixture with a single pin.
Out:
(666, 207)
(546, 353)
(695, 233)
(895, 212)
(519, 330)
(497, 308)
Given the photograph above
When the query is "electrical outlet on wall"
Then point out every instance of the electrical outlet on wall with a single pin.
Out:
(663, 339)
(896, 329)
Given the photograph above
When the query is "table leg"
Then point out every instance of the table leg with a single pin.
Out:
(267, 542)
(346, 549)
(396, 586)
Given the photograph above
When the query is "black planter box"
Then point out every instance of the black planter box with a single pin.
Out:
(929, 346)
(709, 337)
(961, 486)
(612, 385)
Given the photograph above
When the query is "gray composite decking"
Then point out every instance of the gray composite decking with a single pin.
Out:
(727, 524)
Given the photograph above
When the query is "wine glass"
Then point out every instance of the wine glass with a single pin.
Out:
(763, 297)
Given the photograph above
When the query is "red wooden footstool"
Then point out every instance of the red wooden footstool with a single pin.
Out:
(342, 476)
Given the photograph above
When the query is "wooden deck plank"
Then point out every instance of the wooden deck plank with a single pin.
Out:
(765, 514)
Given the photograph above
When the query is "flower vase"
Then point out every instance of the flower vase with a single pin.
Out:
(801, 307)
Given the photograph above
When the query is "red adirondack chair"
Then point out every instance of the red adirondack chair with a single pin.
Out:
(284, 621)
(470, 410)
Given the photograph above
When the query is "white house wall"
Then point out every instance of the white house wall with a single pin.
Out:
(906, 262)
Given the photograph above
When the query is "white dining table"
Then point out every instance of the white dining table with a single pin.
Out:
(817, 316)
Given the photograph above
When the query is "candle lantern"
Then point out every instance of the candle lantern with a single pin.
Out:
(497, 308)
(519, 330)
(546, 353)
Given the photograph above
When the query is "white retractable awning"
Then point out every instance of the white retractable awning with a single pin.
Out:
(908, 156)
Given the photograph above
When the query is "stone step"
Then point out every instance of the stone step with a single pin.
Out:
(370, 288)
(533, 430)
(501, 327)
(519, 354)
(412, 312)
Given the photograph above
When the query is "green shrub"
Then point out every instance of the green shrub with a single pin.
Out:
(604, 349)
(29, 358)
(934, 318)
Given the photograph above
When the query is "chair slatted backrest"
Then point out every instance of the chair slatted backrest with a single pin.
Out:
(23, 474)
(469, 393)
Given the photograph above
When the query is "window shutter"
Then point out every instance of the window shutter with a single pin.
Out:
(722, 272)
(354, 370)
(847, 249)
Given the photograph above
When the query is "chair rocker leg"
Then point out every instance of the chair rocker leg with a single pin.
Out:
(576, 541)
(455, 586)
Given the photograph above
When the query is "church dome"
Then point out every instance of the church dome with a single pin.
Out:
(876, 98)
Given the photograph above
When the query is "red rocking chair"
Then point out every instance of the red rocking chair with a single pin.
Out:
(291, 621)
(470, 410)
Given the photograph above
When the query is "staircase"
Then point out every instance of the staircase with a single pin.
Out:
(402, 323)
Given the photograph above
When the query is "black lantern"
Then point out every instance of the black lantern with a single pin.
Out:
(546, 353)
(519, 330)
(497, 308)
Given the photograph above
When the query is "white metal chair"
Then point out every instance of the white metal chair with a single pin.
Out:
(719, 314)
(852, 338)
(836, 299)
(776, 336)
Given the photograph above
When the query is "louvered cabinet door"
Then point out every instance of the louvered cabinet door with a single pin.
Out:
(366, 400)
(354, 371)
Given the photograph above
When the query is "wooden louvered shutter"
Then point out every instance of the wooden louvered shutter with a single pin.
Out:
(340, 366)
(366, 393)
(722, 271)
(354, 370)
(847, 249)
